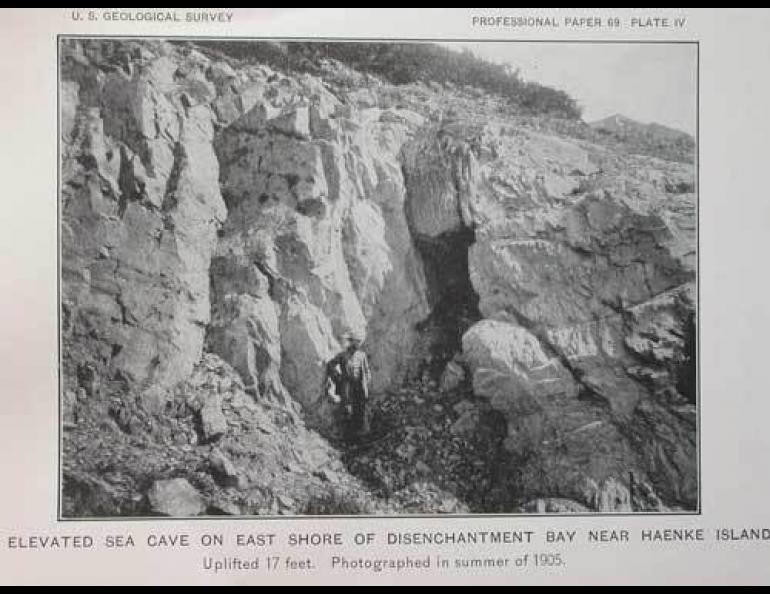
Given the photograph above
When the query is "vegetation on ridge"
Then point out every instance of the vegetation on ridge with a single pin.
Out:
(404, 63)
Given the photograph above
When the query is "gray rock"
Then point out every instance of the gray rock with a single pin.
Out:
(463, 406)
(176, 498)
(145, 300)
(609, 496)
(422, 468)
(68, 405)
(154, 399)
(430, 173)
(213, 421)
(226, 508)
(406, 451)
(295, 123)
(225, 472)
(245, 329)
(86, 495)
(452, 376)
(553, 505)
(221, 72)
(466, 424)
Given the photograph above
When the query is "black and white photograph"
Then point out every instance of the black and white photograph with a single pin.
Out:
(311, 277)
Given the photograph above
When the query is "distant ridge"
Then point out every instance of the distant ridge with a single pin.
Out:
(619, 123)
(649, 139)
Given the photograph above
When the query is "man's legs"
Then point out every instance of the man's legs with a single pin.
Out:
(358, 422)
(346, 393)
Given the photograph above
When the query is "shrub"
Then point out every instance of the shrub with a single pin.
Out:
(404, 63)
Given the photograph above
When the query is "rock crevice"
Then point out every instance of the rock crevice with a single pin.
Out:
(224, 223)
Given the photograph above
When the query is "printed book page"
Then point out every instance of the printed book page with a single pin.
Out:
(383, 296)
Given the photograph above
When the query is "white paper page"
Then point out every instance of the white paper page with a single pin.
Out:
(383, 296)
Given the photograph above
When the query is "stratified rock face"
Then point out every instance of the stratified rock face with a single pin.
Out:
(441, 170)
(583, 263)
(140, 207)
(316, 214)
(245, 327)
(315, 243)
(243, 220)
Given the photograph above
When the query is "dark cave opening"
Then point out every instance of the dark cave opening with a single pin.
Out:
(687, 376)
(453, 300)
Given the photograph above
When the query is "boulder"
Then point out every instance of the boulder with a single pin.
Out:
(294, 122)
(225, 508)
(452, 376)
(176, 498)
(225, 472)
(213, 421)
(154, 399)
(466, 424)
(516, 354)
(221, 73)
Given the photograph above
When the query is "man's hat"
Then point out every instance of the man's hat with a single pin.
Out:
(353, 335)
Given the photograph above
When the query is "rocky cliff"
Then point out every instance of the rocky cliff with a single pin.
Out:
(527, 297)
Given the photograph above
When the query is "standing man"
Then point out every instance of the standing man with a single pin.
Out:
(353, 365)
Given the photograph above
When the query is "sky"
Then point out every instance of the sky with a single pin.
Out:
(646, 82)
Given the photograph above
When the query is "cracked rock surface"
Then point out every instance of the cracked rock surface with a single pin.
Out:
(527, 296)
